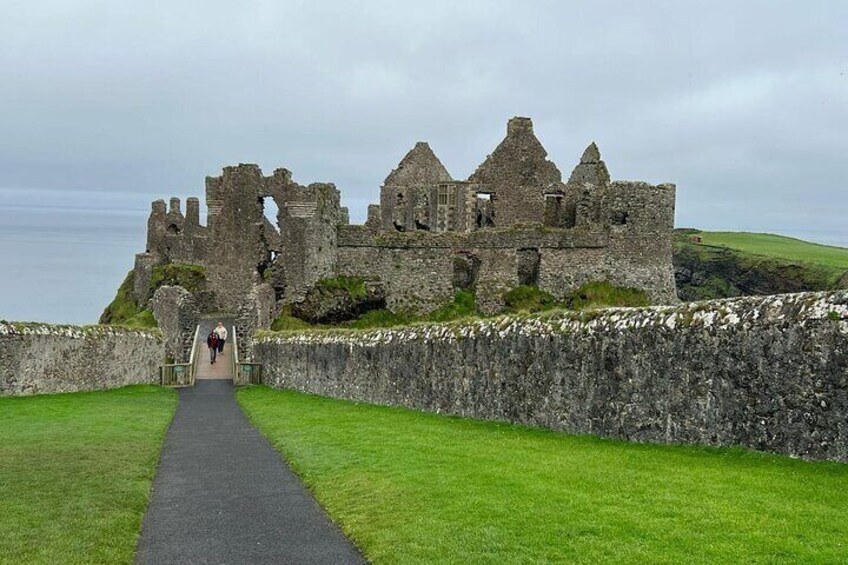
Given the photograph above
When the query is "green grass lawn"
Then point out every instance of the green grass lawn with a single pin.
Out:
(410, 487)
(780, 247)
(75, 473)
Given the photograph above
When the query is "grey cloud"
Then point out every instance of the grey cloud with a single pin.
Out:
(743, 105)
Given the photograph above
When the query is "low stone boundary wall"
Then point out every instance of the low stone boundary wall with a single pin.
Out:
(42, 358)
(768, 373)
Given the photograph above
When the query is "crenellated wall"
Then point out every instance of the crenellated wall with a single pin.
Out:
(42, 358)
(767, 373)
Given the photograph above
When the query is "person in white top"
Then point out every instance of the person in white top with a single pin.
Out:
(221, 332)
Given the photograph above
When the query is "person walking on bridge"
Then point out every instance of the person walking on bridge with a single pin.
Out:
(221, 333)
(212, 344)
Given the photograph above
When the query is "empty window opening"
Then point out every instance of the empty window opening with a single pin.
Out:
(527, 261)
(465, 269)
(173, 229)
(485, 212)
(554, 210)
(270, 210)
(619, 218)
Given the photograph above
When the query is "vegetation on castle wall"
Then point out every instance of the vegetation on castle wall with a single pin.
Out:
(124, 310)
(523, 299)
(595, 294)
(190, 277)
(286, 322)
(355, 286)
(463, 305)
(528, 298)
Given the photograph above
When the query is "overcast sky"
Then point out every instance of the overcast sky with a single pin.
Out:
(107, 105)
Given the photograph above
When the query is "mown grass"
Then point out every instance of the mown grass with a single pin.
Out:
(779, 247)
(75, 473)
(410, 487)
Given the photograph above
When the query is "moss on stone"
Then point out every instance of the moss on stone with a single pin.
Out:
(125, 310)
(123, 306)
(528, 298)
(190, 277)
(286, 322)
(355, 286)
(601, 293)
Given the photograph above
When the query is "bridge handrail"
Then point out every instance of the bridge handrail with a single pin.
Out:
(192, 359)
(235, 356)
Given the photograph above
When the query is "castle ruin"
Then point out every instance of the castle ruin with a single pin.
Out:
(513, 222)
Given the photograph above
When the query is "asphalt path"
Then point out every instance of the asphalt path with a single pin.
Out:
(223, 495)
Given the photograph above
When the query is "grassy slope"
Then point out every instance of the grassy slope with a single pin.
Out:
(75, 473)
(780, 247)
(818, 266)
(410, 487)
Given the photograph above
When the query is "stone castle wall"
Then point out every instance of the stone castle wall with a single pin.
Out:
(514, 221)
(41, 358)
(768, 373)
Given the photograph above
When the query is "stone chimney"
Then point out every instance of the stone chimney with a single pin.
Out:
(519, 125)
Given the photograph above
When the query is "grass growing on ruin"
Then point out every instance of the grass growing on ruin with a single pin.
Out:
(597, 294)
(190, 277)
(124, 309)
(411, 487)
(355, 286)
(463, 305)
(75, 473)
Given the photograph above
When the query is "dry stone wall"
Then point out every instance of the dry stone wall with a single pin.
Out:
(768, 373)
(41, 358)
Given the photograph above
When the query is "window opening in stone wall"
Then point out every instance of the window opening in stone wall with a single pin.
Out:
(485, 212)
(554, 210)
(443, 196)
(619, 218)
(270, 210)
(173, 229)
(399, 212)
(465, 269)
(527, 261)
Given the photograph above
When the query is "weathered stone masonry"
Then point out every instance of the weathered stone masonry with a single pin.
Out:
(41, 358)
(513, 221)
(768, 373)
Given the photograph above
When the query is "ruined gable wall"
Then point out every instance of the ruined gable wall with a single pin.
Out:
(519, 174)
(407, 192)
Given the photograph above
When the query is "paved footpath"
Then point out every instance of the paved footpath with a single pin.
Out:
(222, 494)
